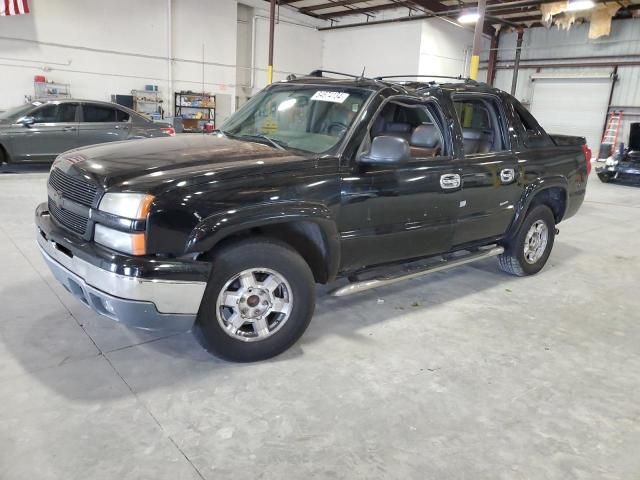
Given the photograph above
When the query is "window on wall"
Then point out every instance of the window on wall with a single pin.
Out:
(98, 113)
(482, 124)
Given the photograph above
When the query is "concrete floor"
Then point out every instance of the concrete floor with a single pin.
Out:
(469, 374)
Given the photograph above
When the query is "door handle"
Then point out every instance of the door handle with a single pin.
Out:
(69, 129)
(117, 127)
(507, 175)
(449, 181)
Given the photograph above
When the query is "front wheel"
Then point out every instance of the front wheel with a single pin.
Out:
(527, 252)
(258, 302)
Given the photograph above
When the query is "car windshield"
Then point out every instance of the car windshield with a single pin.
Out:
(308, 118)
(17, 112)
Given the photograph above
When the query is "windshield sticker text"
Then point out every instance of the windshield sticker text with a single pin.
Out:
(335, 97)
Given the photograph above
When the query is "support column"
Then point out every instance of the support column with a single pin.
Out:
(516, 62)
(477, 41)
(272, 25)
(493, 58)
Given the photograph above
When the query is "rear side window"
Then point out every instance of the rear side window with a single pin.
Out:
(98, 113)
(61, 113)
(482, 124)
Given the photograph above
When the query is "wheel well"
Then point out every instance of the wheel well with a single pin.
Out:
(555, 198)
(4, 155)
(304, 237)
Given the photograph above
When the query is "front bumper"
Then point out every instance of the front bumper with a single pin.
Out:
(146, 303)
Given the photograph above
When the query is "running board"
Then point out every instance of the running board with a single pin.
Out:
(443, 264)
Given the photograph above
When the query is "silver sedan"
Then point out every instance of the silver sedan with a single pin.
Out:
(39, 131)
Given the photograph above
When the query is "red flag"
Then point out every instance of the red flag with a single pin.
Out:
(13, 7)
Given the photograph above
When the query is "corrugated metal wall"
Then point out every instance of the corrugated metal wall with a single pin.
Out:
(548, 46)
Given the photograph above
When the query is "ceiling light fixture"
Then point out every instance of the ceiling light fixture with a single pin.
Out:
(576, 5)
(469, 16)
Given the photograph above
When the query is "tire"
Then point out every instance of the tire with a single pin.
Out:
(274, 287)
(514, 260)
(604, 178)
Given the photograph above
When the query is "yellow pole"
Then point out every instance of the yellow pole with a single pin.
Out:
(474, 66)
(272, 27)
(270, 74)
(477, 41)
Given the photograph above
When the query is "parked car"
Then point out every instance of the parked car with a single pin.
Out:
(39, 131)
(313, 180)
(624, 165)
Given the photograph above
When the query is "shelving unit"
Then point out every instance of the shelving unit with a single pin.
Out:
(51, 90)
(195, 109)
(147, 102)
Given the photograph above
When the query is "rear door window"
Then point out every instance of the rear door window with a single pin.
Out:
(98, 113)
(122, 116)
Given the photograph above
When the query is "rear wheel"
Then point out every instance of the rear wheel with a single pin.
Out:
(528, 251)
(258, 302)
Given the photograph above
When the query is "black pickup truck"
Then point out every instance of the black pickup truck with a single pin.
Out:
(368, 180)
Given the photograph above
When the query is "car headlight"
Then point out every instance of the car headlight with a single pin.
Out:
(611, 162)
(132, 243)
(129, 205)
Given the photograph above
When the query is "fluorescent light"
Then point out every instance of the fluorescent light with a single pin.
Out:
(287, 104)
(469, 16)
(575, 5)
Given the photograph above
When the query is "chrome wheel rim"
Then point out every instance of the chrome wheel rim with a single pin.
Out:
(535, 243)
(254, 304)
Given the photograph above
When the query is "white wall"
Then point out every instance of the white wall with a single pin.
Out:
(432, 46)
(385, 49)
(111, 47)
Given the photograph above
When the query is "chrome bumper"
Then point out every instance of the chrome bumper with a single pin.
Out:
(147, 304)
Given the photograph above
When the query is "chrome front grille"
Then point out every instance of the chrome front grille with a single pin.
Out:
(72, 221)
(70, 201)
(73, 188)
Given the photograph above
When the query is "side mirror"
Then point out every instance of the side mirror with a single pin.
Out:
(386, 149)
(27, 121)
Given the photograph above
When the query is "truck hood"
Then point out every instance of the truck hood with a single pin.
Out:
(149, 164)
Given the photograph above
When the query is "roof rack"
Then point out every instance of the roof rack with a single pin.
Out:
(319, 73)
(459, 77)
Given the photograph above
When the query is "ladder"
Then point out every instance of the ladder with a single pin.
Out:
(610, 137)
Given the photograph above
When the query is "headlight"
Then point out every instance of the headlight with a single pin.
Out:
(132, 243)
(129, 205)
(611, 162)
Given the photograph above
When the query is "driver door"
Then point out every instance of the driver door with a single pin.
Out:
(55, 130)
(400, 211)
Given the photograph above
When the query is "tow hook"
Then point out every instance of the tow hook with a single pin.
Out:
(557, 231)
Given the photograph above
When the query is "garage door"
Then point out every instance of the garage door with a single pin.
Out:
(572, 106)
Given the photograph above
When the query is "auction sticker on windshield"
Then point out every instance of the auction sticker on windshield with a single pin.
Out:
(335, 97)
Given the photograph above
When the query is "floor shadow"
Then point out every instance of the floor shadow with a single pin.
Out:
(174, 359)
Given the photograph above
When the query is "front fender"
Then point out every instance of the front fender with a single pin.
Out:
(530, 192)
(211, 230)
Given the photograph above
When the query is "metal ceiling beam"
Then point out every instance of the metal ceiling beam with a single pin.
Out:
(431, 5)
(324, 6)
(365, 10)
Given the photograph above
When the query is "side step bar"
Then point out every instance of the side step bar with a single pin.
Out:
(443, 264)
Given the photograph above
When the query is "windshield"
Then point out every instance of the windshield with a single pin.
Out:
(308, 118)
(17, 112)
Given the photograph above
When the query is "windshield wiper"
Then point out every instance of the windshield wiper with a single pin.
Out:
(279, 144)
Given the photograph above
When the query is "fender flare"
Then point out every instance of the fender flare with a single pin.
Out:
(531, 191)
(220, 225)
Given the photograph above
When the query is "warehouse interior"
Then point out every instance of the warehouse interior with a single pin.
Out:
(465, 373)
